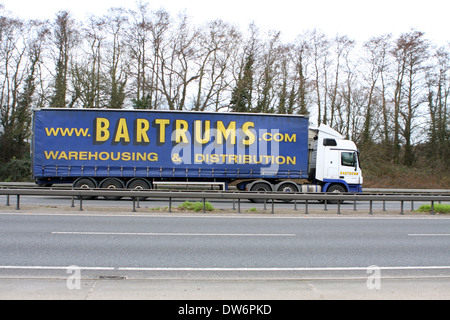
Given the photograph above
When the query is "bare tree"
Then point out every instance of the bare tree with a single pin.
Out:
(176, 57)
(301, 58)
(139, 38)
(438, 83)
(266, 80)
(375, 59)
(216, 47)
(116, 60)
(243, 73)
(320, 50)
(87, 74)
(21, 47)
(65, 41)
(342, 48)
(410, 52)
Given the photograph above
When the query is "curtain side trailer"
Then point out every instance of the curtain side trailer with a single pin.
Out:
(136, 149)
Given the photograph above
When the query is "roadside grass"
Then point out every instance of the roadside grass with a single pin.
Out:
(438, 208)
(195, 206)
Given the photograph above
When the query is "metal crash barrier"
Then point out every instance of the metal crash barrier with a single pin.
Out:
(266, 197)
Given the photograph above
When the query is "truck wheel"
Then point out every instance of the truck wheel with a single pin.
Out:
(260, 187)
(139, 184)
(288, 187)
(335, 189)
(112, 183)
(85, 183)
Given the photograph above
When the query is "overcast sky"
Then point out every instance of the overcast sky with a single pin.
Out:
(358, 19)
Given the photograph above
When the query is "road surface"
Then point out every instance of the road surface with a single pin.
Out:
(221, 256)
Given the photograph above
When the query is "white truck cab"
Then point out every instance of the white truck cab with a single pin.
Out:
(334, 161)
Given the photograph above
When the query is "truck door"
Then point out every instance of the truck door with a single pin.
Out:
(331, 169)
(349, 167)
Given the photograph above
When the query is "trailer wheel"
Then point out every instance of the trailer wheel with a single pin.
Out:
(112, 183)
(85, 183)
(288, 187)
(139, 184)
(260, 187)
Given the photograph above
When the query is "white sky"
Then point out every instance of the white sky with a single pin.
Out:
(358, 19)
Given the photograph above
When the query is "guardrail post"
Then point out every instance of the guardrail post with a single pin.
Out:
(72, 205)
(306, 207)
(7, 200)
(134, 204)
(204, 205)
(81, 203)
(432, 207)
(234, 204)
(325, 203)
(273, 206)
(401, 208)
(239, 205)
(295, 205)
(354, 205)
(18, 203)
(170, 205)
(370, 211)
(339, 207)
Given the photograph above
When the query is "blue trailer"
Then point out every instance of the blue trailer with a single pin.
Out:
(136, 149)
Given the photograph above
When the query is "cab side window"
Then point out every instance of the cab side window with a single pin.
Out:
(348, 159)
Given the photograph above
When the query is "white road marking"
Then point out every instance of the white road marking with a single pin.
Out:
(429, 234)
(55, 268)
(180, 234)
(220, 269)
(286, 269)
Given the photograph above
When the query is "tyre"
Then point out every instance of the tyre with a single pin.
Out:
(288, 187)
(260, 187)
(85, 183)
(112, 183)
(139, 184)
(336, 189)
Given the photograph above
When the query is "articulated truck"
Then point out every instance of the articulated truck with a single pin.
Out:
(136, 149)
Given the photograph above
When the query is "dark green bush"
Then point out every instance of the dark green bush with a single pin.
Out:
(16, 170)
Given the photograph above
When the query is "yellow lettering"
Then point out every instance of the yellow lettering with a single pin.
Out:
(122, 131)
(267, 136)
(83, 155)
(104, 156)
(51, 155)
(142, 126)
(226, 133)
(181, 127)
(251, 136)
(152, 157)
(101, 128)
(199, 138)
(63, 155)
(292, 138)
(199, 158)
(214, 158)
(73, 155)
(126, 156)
(162, 129)
(93, 155)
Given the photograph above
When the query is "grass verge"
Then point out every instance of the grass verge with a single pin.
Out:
(438, 208)
(195, 206)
